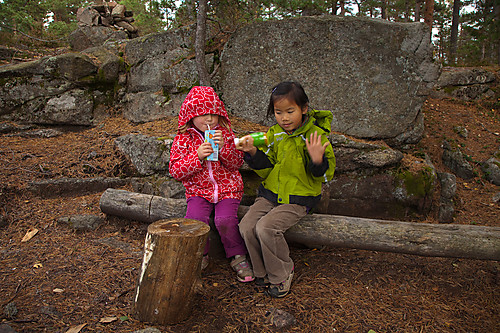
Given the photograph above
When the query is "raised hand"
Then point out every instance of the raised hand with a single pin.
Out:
(315, 148)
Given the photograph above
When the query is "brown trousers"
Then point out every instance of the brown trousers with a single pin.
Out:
(263, 228)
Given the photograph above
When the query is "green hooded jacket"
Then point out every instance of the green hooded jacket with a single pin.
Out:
(289, 175)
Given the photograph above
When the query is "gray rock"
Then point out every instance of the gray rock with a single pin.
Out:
(5, 328)
(21, 98)
(161, 186)
(82, 222)
(144, 152)
(148, 330)
(173, 45)
(40, 133)
(353, 155)
(496, 198)
(448, 183)
(87, 16)
(118, 244)
(109, 64)
(74, 107)
(455, 160)
(372, 74)
(50, 311)
(23, 68)
(464, 83)
(379, 158)
(280, 318)
(10, 310)
(461, 131)
(148, 106)
(389, 194)
(446, 211)
(71, 186)
(71, 66)
(7, 128)
(470, 92)
(463, 76)
(491, 170)
(86, 37)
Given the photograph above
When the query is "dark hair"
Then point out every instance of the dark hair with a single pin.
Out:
(287, 89)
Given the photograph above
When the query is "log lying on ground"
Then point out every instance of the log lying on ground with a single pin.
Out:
(435, 240)
(141, 207)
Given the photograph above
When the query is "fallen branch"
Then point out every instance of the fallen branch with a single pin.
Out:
(435, 240)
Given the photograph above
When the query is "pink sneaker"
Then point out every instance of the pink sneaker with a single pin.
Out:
(243, 269)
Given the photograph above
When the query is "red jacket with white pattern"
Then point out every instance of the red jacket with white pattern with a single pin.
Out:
(212, 180)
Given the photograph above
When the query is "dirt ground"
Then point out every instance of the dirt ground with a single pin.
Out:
(62, 279)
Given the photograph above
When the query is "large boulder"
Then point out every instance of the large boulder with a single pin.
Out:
(374, 75)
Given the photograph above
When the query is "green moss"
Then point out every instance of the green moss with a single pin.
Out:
(449, 89)
(418, 184)
(166, 94)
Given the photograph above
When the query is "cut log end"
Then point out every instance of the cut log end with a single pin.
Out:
(179, 227)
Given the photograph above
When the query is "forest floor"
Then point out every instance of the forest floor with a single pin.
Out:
(61, 279)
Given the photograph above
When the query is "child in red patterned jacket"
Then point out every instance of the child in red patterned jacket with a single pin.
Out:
(211, 185)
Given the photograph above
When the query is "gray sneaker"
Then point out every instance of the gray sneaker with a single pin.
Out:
(282, 289)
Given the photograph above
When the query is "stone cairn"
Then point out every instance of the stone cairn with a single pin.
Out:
(108, 14)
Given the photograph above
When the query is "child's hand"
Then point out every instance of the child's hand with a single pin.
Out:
(246, 145)
(204, 150)
(315, 148)
(218, 138)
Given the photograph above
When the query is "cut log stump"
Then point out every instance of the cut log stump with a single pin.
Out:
(171, 270)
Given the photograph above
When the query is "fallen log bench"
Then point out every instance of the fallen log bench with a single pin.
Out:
(424, 239)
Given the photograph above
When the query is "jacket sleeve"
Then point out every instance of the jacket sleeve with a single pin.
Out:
(229, 156)
(263, 161)
(184, 161)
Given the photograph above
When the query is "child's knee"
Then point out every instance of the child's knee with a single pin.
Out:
(245, 228)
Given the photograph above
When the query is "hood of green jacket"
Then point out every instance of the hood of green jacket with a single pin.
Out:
(322, 119)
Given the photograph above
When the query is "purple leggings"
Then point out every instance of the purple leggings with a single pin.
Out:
(225, 220)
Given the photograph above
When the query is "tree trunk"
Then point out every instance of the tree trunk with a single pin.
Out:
(429, 15)
(454, 31)
(417, 10)
(496, 10)
(342, 7)
(383, 9)
(171, 270)
(201, 30)
(439, 240)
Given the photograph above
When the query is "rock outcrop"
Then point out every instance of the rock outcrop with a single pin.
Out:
(374, 75)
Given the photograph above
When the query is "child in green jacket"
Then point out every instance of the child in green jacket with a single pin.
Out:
(297, 160)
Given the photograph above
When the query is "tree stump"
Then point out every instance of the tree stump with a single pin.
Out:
(171, 270)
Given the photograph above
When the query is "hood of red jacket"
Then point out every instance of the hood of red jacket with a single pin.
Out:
(200, 101)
